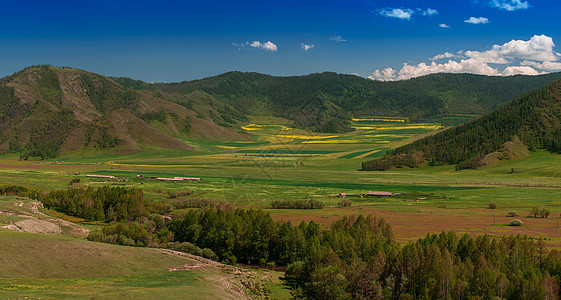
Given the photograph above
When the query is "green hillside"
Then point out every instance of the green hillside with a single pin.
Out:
(534, 118)
(325, 102)
(46, 111)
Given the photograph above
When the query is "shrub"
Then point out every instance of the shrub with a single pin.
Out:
(515, 222)
(345, 203)
(534, 212)
(512, 214)
(74, 180)
(172, 194)
(544, 213)
(492, 205)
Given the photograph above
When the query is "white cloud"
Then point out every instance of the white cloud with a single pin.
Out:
(387, 74)
(269, 46)
(443, 26)
(474, 20)
(405, 13)
(307, 47)
(429, 12)
(546, 65)
(444, 55)
(399, 13)
(519, 70)
(337, 38)
(539, 47)
(510, 5)
(516, 57)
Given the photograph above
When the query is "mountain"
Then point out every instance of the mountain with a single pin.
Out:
(533, 120)
(325, 102)
(46, 110)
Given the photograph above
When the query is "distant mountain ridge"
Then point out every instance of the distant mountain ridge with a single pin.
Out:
(46, 110)
(325, 102)
(533, 119)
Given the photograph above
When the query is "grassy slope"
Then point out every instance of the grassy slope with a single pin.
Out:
(60, 266)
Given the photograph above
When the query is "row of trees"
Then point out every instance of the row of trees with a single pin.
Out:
(298, 204)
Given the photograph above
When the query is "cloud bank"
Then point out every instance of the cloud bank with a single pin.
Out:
(532, 57)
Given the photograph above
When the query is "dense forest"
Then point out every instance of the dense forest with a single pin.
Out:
(324, 102)
(355, 257)
(534, 118)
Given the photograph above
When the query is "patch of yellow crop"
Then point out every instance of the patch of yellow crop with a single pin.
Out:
(433, 127)
(380, 135)
(227, 147)
(334, 142)
(252, 127)
(305, 137)
(379, 119)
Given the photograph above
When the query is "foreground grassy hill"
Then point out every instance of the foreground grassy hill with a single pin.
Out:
(533, 120)
(46, 257)
(325, 102)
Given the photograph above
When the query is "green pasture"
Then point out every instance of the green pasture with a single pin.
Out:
(254, 173)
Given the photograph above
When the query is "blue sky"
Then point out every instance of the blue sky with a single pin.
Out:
(166, 41)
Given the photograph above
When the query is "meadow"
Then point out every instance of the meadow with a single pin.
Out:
(283, 162)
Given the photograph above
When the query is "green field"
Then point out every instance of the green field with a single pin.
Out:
(280, 163)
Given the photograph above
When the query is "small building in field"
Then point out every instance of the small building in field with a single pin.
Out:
(179, 179)
(101, 176)
(342, 195)
(168, 179)
(379, 194)
(189, 178)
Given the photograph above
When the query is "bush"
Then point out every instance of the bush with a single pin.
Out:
(515, 222)
(74, 180)
(492, 205)
(345, 203)
(542, 213)
(512, 214)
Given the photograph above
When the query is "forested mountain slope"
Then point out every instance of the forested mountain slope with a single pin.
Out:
(326, 101)
(534, 117)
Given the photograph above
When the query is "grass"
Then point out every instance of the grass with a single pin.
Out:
(433, 199)
(49, 266)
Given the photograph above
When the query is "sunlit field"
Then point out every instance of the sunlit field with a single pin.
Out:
(282, 162)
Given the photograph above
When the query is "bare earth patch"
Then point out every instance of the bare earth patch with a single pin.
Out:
(38, 226)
